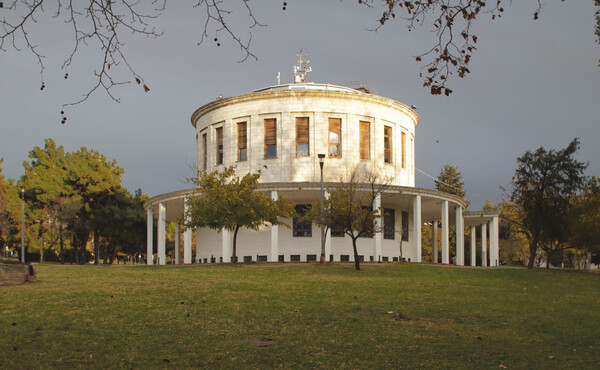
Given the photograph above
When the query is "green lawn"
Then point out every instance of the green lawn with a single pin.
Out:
(392, 315)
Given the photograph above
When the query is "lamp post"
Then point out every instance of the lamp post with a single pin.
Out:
(22, 224)
(321, 158)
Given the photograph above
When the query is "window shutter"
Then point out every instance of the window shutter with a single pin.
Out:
(302, 130)
(334, 125)
(270, 131)
(242, 135)
(403, 150)
(364, 133)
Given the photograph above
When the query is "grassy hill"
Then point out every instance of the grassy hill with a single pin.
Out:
(303, 315)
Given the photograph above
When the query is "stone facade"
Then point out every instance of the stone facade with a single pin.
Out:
(280, 130)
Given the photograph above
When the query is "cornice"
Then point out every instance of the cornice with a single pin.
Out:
(278, 94)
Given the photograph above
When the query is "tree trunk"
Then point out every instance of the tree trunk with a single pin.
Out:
(62, 254)
(532, 252)
(356, 259)
(96, 248)
(113, 251)
(235, 244)
(75, 249)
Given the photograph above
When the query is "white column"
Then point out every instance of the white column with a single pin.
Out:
(496, 241)
(327, 236)
(177, 235)
(417, 227)
(198, 236)
(473, 241)
(187, 236)
(460, 238)
(274, 235)
(445, 235)
(225, 246)
(379, 234)
(435, 241)
(483, 245)
(149, 235)
(491, 242)
(327, 244)
(161, 238)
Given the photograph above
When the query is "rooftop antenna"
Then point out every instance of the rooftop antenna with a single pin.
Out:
(278, 78)
(301, 69)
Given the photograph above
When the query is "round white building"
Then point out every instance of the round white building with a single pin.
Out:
(281, 130)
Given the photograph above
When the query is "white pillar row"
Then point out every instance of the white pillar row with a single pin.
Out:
(483, 245)
(379, 232)
(473, 244)
(225, 246)
(177, 235)
(435, 241)
(274, 235)
(149, 235)
(417, 227)
(187, 236)
(496, 241)
(460, 238)
(445, 234)
(162, 237)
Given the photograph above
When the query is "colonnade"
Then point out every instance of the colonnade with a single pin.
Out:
(474, 219)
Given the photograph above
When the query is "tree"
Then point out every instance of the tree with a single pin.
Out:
(120, 219)
(350, 207)
(514, 244)
(44, 182)
(450, 181)
(10, 210)
(225, 201)
(543, 184)
(585, 220)
(106, 24)
(92, 178)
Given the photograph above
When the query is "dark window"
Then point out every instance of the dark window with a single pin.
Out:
(205, 260)
(387, 144)
(331, 258)
(337, 232)
(404, 226)
(242, 141)
(389, 223)
(280, 258)
(364, 139)
(219, 145)
(270, 138)
(395, 259)
(302, 135)
(371, 258)
(247, 259)
(302, 228)
(221, 259)
(361, 258)
(262, 259)
(335, 137)
(295, 258)
(345, 258)
(311, 258)
(385, 259)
